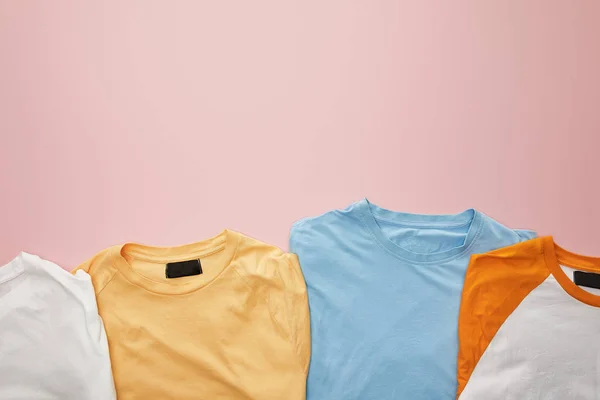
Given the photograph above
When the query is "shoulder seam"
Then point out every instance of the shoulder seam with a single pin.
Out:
(109, 281)
(243, 278)
(299, 223)
(290, 339)
(253, 291)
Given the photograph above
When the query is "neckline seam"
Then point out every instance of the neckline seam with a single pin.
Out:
(578, 267)
(567, 286)
(160, 260)
(476, 235)
(172, 290)
(422, 225)
(165, 293)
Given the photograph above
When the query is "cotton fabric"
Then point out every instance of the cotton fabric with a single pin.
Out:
(384, 290)
(240, 330)
(526, 330)
(52, 340)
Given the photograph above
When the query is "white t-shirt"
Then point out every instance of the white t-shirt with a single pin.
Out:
(52, 340)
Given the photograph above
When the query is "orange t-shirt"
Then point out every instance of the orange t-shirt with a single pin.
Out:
(239, 329)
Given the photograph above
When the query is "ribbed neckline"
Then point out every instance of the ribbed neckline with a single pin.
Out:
(371, 213)
(226, 242)
(555, 256)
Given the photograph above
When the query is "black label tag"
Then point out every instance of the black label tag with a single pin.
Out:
(586, 279)
(183, 268)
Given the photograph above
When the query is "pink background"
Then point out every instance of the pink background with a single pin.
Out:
(165, 122)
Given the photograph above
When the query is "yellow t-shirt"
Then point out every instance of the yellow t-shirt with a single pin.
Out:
(238, 330)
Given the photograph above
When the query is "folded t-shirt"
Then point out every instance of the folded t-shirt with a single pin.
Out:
(225, 318)
(52, 340)
(384, 290)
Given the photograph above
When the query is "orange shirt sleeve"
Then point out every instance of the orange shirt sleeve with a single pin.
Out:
(495, 284)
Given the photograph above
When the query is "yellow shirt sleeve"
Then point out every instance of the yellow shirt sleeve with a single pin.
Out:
(297, 310)
(284, 289)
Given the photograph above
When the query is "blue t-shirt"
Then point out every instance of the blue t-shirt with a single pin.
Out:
(384, 292)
